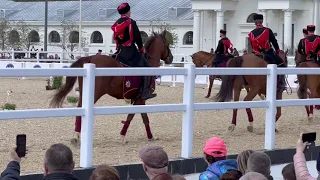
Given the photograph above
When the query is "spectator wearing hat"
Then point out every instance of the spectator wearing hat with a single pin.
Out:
(215, 153)
(155, 163)
(260, 162)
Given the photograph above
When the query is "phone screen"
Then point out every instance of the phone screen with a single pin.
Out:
(21, 145)
(309, 137)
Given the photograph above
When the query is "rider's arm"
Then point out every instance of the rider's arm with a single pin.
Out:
(220, 46)
(300, 47)
(137, 36)
(273, 40)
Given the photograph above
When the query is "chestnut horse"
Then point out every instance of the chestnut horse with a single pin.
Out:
(157, 47)
(204, 59)
(307, 82)
(256, 83)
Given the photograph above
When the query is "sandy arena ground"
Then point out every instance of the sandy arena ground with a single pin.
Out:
(41, 133)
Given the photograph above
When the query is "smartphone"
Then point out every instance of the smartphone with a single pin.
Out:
(309, 137)
(21, 142)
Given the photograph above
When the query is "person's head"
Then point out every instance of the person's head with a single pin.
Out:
(288, 172)
(258, 19)
(214, 150)
(311, 29)
(58, 158)
(154, 160)
(242, 160)
(253, 176)
(231, 175)
(223, 33)
(259, 162)
(105, 172)
(124, 9)
(305, 32)
(99, 51)
(178, 177)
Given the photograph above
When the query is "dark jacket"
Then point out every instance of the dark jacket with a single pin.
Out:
(12, 172)
(60, 176)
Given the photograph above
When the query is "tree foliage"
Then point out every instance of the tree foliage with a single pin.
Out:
(4, 34)
(29, 35)
(158, 27)
(69, 35)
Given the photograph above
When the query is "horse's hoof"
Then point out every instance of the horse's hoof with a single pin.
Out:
(153, 139)
(74, 142)
(317, 107)
(250, 128)
(123, 139)
(231, 128)
(276, 130)
(207, 96)
(310, 118)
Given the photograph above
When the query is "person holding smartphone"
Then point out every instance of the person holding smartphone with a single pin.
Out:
(12, 172)
(299, 159)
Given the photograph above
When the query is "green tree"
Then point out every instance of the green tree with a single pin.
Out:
(158, 27)
(29, 35)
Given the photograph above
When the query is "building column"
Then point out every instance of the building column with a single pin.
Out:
(316, 15)
(219, 24)
(287, 29)
(196, 30)
(265, 19)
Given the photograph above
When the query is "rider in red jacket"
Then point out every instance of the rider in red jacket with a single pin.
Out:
(222, 54)
(310, 45)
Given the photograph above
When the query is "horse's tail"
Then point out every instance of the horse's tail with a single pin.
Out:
(225, 92)
(302, 89)
(61, 94)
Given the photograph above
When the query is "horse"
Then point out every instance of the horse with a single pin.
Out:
(256, 83)
(119, 87)
(204, 59)
(307, 82)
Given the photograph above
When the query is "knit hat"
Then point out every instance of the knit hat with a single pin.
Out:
(154, 157)
(123, 8)
(215, 147)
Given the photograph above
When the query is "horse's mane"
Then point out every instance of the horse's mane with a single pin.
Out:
(150, 39)
(205, 53)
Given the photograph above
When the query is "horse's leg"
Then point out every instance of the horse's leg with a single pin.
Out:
(236, 96)
(146, 122)
(211, 80)
(313, 90)
(252, 93)
(126, 125)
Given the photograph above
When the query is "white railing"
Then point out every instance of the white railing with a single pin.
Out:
(88, 111)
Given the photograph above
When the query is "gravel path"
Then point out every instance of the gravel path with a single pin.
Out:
(41, 133)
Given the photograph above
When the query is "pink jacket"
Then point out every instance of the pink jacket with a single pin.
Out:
(300, 167)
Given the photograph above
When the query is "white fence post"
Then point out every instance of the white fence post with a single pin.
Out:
(188, 115)
(269, 142)
(86, 148)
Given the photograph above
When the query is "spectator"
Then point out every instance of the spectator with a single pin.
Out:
(288, 172)
(211, 50)
(111, 52)
(260, 162)
(58, 163)
(245, 52)
(215, 153)
(12, 172)
(155, 163)
(182, 59)
(99, 52)
(231, 175)
(253, 176)
(105, 172)
(242, 160)
(178, 177)
(299, 160)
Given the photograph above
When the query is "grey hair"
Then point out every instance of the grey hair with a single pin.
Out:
(253, 176)
(59, 157)
(259, 162)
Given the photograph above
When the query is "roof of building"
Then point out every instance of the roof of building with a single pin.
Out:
(141, 10)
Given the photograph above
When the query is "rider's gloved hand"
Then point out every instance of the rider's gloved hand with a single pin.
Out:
(142, 50)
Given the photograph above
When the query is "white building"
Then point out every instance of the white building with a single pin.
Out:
(197, 22)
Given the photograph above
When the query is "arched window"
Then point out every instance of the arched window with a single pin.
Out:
(250, 18)
(34, 36)
(74, 37)
(144, 36)
(14, 37)
(188, 38)
(96, 37)
(54, 37)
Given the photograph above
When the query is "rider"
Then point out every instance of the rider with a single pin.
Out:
(305, 34)
(221, 52)
(260, 39)
(310, 46)
(126, 35)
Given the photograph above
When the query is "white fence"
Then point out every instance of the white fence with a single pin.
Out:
(88, 111)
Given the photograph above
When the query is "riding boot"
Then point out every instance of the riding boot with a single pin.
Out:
(282, 82)
(145, 88)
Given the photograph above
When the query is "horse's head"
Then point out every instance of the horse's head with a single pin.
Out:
(202, 58)
(283, 56)
(157, 47)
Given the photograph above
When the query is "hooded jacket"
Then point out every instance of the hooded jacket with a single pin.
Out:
(215, 170)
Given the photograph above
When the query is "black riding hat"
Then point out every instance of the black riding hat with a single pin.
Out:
(258, 17)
